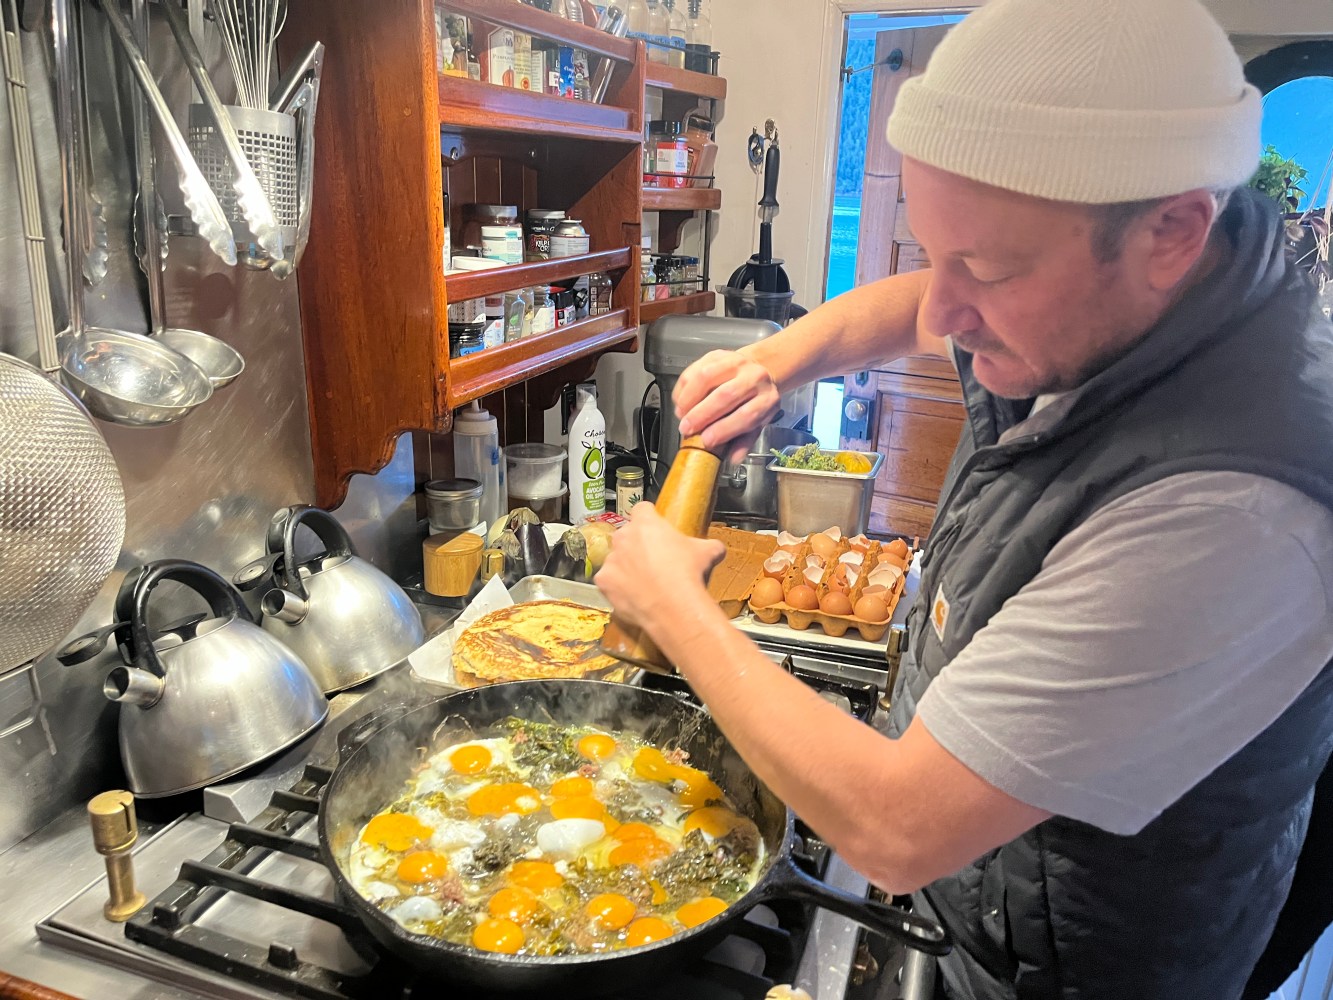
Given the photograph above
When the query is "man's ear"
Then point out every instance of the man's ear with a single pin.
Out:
(1178, 234)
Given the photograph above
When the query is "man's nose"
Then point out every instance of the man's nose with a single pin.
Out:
(947, 310)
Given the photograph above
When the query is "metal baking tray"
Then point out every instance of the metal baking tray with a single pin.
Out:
(550, 588)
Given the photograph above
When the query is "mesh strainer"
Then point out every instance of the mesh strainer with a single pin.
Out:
(62, 512)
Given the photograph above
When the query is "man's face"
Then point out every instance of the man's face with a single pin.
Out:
(1016, 283)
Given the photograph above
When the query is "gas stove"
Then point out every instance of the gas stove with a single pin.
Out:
(242, 907)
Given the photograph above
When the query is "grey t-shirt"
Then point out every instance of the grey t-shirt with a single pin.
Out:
(1159, 637)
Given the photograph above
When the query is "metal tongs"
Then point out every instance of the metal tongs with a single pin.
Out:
(200, 200)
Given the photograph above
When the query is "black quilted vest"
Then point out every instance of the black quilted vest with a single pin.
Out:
(1237, 377)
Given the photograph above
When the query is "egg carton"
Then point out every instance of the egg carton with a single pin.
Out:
(835, 625)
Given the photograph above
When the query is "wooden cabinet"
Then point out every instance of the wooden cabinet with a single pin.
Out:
(915, 418)
(393, 138)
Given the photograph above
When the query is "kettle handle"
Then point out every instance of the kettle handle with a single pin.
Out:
(326, 528)
(223, 602)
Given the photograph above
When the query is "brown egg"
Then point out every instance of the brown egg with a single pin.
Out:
(898, 547)
(874, 589)
(836, 603)
(871, 609)
(893, 559)
(823, 546)
(766, 592)
(803, 597)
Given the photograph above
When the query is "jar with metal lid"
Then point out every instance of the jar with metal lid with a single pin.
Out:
(629, 488)
(475, 216)
(691, 274)
(668, 156)
(467, 338)
(453, 505)
(537, 230)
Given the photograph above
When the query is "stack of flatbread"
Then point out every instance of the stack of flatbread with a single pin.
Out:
(535, 641)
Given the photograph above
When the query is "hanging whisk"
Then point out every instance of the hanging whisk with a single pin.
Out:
(249, 31)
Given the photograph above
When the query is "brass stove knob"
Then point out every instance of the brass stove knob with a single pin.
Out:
(115, 832)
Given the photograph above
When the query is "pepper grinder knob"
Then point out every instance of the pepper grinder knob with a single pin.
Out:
(115, 832)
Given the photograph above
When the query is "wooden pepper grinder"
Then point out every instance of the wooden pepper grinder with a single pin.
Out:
(686, 502)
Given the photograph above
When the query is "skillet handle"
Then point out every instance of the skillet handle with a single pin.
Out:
(919, 933)
(353, 736)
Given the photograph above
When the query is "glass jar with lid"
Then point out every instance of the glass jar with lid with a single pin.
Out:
(629, 488)
(668, 156)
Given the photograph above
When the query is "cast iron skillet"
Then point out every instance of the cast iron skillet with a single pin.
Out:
(378, 759)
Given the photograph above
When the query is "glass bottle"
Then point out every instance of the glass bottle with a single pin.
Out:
(636, 19)
(659, 32)
(677, 27)
(699, 38)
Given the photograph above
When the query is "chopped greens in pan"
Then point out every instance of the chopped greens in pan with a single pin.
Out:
(553, 840)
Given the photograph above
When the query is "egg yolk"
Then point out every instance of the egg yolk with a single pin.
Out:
(395, 831)
(596, 746)
(699, 788)
(610, 911)
(700, 910)
(423, 866)
(633, 831)
(537, 876)
(517, 905)
(578, 807)
(659, 894)
(503, 936)
(510, 797)
(646, 930)
(651, 764)
(641, 851)
(470, 760)
(712, 820)
(575, 786)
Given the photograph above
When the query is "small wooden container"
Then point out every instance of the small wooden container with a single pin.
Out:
(450, 564)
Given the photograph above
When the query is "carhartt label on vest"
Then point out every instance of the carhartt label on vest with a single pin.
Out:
(939, 613)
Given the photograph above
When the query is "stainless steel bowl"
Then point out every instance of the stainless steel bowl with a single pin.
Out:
(221, 362)
(131, 379)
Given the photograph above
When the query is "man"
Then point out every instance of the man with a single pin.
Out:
(1118, 695)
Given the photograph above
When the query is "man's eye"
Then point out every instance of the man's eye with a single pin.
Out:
(990, 278)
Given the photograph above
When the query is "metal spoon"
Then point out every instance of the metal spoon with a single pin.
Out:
(219, 361)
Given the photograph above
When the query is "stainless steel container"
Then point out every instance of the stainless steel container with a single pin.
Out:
(453, 505)
(812, 501)
(750, 488)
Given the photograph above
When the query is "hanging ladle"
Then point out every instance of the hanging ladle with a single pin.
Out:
(122, 377)
(220, 361)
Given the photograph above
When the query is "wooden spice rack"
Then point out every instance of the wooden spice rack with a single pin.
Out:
(682, 90)
(393, 138)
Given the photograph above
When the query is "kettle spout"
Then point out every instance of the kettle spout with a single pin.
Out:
(134, 686)
(285, 606)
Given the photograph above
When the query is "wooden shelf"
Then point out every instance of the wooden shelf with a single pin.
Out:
(512, 14)
(686, 81)
(470, 104)
(479, 284)
(699, 302)
(657, 199)
(498, 368)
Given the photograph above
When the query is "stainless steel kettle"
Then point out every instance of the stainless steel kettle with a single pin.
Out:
(347, 620)
(204, 698)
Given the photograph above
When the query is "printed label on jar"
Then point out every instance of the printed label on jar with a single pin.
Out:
(569, 246)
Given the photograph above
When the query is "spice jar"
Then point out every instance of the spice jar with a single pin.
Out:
(467, 338)
(668, 155)
(698, 135)
(541, 223)
(475, 216)
(629, 488)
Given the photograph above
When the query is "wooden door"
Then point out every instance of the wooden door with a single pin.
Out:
(911, 410)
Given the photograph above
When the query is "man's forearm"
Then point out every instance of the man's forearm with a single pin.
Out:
(861, 329)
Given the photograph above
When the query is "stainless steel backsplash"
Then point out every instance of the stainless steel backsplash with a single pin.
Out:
(203, 488)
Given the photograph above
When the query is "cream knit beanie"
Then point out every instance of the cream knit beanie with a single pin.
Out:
(1090, 101)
